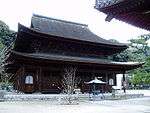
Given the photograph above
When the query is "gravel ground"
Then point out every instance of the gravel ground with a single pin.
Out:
(137, 105)
(140, 105)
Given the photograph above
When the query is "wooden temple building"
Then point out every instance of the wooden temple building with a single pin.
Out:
(134, 12)
(42, 51)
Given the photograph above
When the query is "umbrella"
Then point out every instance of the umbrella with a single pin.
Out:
(95, 81)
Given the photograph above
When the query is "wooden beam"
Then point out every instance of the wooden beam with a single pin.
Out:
(124, 83)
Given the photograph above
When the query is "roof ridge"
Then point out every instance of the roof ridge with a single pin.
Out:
(61, 20)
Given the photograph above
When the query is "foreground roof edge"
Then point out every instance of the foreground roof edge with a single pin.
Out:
(111, 3)
(133, 12)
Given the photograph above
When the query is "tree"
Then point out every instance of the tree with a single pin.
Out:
(137, 78)
(140, 45)
(138, 50)
(146, 66)
(69, 81)
(6, 35)
(141, 52)
(4, 54)
(7, 38)
(121, 57)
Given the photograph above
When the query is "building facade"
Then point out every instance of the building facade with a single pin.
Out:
(42, 52)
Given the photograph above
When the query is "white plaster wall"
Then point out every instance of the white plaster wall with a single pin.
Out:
(119, 81)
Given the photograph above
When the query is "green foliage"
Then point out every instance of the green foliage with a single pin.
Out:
(140, 45)
(1, 46)
(121, 57)
(147, 65)
(146, 78)
(137, 78)
(141, 53)
(138, 50)
(6, 35)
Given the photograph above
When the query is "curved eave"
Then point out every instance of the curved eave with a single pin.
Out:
(92, 61)
(134, 12)
(121, 6)
(32, 31)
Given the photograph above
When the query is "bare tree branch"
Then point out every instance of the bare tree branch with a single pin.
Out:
(4, 54)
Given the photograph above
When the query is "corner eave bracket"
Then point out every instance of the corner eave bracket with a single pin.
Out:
(109, 18)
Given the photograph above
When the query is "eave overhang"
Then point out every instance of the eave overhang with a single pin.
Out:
(123, 66)
(134, 12)
(23, 29)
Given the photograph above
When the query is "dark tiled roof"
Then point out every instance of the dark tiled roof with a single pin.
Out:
(134, 12)
(106, 3)
(66, 29)
(112, 3)
(64, 58)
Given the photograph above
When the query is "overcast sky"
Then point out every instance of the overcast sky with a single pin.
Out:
(82, 11)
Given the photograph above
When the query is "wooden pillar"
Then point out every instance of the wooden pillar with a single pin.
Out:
(107, 83)
(40, 79)
(106, 77)
(36, 81)
(19, 81)
(124, 83)
(22, 79)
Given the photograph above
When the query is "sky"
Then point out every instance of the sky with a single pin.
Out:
(13, 12)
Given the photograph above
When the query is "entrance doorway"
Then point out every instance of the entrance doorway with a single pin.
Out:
(29, 83)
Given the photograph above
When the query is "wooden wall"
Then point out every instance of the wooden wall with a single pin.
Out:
(48, 81)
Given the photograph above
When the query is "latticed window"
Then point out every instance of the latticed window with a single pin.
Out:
(29, 79)
(111, 81)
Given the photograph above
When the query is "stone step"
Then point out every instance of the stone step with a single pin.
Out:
(60, 97)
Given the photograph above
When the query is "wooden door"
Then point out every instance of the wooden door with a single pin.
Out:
(29, 83)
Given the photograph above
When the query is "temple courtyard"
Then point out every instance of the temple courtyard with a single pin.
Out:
(136, 105)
